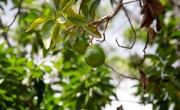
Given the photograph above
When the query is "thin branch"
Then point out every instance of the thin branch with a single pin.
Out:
(138, 102)
(90, 42)
(130, 2)
(19, 9)
(128, 77)
(4, 34)
(144, 50)
(129, 101)
(111, 15)
(104, 34)
(135, 36)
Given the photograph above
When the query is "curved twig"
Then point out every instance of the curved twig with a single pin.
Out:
(19, 9)
(135, 36)
(90, 41)
(121, 73)
(4, 34)
(104, 32)
(111, 15)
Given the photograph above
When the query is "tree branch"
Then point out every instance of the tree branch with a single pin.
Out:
(135, 36)
(128, 77)
(104, 34)
(19, 9)
(110, 16)
(4, 34)
(138, 102)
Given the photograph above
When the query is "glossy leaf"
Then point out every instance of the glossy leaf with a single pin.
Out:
(47, 33)
(76, 18)
(55, 32)
(84, 8)
(65, 4)
(37, 22)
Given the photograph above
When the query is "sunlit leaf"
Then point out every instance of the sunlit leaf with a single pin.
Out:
(62, 20)
(37, 22)
(65, 4)
(55, 32)
(76, 18)
(47, 33)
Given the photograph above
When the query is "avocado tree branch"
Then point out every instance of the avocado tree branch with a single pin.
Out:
(113, 13)
(104, 34)
(135, 36)
(19, 9)
(114, 70)
(4, 34)
(109, 16)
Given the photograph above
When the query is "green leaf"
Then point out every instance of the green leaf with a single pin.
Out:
(37, 22)
(175, 34)
(86, 99)
(2, 91)
(65, 4)
(85, 8)
(94, 7)
(153, 57)
(92, 31)
(47, 33)
(76, 18)
(55, 32)
(62, 20)
(46, 51)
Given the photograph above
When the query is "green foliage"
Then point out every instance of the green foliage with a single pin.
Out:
(43, 70)
(17, 74)
(52, 32)
(162, 69)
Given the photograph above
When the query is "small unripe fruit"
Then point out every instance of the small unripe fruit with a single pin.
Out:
(94, 56)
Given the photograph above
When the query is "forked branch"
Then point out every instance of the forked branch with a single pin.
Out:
(109, 16)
